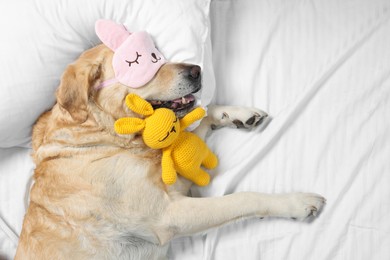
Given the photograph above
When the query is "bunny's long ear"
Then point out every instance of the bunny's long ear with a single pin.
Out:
(111, 33)
(128, 125)
(139, 105)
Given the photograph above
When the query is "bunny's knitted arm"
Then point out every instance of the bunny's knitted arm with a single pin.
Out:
(169, 174)
(194, 115)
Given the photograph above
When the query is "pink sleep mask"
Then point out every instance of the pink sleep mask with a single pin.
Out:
(136, 59)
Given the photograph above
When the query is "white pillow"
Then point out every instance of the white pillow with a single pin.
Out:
(40, 38)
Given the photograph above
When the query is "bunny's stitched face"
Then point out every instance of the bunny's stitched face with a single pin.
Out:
(161, 129)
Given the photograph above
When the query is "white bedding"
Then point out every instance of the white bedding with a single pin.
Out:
(16, 169)
(322, 71)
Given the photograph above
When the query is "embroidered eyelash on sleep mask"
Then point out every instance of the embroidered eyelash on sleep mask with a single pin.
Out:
(136, 59)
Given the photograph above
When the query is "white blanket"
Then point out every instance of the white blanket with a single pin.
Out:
(16, 169)
(322, 71)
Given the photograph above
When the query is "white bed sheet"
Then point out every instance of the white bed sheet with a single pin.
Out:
(16, 169)
(321, 69)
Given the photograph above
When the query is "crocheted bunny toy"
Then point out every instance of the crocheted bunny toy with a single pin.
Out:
(183, 152)
(136, 59)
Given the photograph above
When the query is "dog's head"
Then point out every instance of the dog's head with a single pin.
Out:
(172, 87)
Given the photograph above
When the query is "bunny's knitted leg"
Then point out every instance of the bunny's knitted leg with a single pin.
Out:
(211, 160)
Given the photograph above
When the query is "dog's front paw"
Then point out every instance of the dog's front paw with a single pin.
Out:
(237, 117)
(303, 205)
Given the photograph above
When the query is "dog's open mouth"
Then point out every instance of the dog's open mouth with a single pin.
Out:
(176, 105)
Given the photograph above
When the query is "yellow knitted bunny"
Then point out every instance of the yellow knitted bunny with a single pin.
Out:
(183, 151)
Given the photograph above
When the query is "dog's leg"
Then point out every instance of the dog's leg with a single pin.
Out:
(185, 216)
(231, 116)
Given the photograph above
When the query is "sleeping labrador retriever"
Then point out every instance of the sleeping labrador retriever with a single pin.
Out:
(99, 195)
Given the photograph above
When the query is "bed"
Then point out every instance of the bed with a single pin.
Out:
(321, 69)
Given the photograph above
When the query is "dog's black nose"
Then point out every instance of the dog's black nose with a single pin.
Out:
(195, 72)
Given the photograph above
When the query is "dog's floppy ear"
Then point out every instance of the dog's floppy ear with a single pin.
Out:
(128, 125)
(73, 92)
(139, 105)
